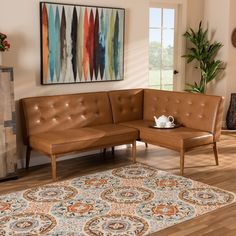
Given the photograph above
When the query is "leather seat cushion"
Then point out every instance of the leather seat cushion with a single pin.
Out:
(70, 140)
(175, 139)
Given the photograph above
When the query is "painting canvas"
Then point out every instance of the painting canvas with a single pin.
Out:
(81, 43)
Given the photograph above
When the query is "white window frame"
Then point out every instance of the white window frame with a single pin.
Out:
(179, 43)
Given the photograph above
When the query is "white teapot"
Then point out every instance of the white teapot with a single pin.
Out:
(164, 121)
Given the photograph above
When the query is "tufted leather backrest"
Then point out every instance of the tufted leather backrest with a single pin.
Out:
(62, 112)
(198, 111)
(126, 105)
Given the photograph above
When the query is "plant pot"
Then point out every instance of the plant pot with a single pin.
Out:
(231, 114)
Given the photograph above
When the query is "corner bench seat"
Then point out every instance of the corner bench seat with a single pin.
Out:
(200, 115)
(177, 139)
(182, 137)
(71, 140)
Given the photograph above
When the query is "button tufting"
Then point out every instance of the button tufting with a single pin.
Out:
(200, 116)
(38, 121)
(178, 101)
(69, 117)
(190, 103)
(203, 104)
(67, 104)
(36, 107)
(188, 114)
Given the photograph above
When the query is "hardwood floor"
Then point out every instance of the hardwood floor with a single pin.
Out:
(200, 166)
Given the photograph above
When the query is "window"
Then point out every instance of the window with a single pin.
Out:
(161, 48)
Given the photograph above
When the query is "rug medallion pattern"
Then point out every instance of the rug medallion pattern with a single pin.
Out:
(132, 200)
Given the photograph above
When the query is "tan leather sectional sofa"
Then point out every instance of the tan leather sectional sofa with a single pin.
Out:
(61, 124)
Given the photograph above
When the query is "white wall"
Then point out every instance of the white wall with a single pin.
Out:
(220, 18)
(195, 15)
(219, 31)
(231, 79)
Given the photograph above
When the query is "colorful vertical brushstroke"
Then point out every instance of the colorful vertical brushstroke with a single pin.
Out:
(45, 52)
(74, 25)
(52, 43)
(116, 46)
(107, 39)
(102, 52)
(69, 69)
(85, 48)
(96, 45)
(81, 44)
(90, 43)
(111, 45)
(63, 44)
(57, 46)
(121, 46)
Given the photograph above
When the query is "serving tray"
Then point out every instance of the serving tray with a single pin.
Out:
(172, 127)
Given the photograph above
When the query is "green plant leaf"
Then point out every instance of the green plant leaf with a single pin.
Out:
(203, 51)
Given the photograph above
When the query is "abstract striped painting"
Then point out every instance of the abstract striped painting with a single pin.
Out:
(81, 43)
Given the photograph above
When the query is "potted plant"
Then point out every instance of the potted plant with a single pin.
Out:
(4, 45)
(203, 51)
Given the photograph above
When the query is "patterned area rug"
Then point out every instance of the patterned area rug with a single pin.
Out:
(132, 200)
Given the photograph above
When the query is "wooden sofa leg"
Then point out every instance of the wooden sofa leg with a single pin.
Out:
(182, 162)
(54, 167)
(28, 152)
(146, 145)
(134, 151)
(215, 149)
(104, 151)
(113, 151)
